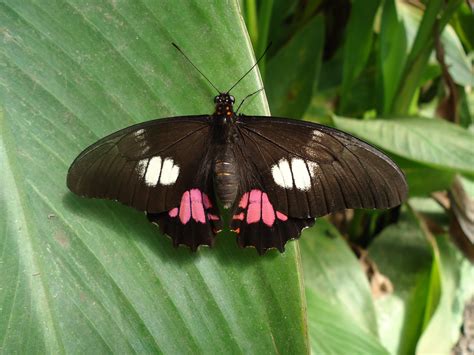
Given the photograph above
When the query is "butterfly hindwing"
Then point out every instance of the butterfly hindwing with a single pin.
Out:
(259, 224)
(195, 221)
(161, 167)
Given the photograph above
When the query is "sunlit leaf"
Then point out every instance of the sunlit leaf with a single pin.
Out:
(429, 141)
(84, 275)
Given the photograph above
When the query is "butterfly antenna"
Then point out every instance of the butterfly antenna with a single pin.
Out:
(246, 97)
(195, 67)
(253, 66)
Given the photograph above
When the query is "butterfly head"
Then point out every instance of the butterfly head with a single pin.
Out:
(224, 105)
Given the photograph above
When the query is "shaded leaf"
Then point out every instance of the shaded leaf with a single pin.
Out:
(424, 180)
(393, 55)
(358, 44)
(292, 72)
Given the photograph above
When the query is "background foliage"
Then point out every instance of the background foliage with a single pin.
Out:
(84, 274)
(402, 71)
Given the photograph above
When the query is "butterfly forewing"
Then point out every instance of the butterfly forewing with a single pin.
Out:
(147, 166)
(322, 169)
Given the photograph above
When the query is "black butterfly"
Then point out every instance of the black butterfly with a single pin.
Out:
(274, 174)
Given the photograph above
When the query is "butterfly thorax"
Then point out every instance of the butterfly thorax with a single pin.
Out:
(224, 106)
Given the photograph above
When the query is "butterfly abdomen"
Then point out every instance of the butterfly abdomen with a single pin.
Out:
(225, 176)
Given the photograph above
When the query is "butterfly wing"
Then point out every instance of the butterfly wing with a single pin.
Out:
(297, 171)
(160, 167)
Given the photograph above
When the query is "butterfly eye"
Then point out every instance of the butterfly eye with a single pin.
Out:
(232, 99)
(216, 99)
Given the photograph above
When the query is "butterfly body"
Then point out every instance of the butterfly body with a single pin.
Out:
(275, 175)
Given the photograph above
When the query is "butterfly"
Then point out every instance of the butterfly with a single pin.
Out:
(274, 175)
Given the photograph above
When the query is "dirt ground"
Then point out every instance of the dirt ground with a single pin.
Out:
(465, 345)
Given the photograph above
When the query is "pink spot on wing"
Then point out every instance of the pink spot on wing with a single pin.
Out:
(173, 212)
(268, 213)
(206, 202)
(212, 217)
(244, 200)
(255, 206)
(281, 216)
(197, 208)
(185, 208)
(255, 196)
(239, 216)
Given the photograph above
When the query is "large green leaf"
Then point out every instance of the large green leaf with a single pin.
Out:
(341, 313)
(82, 274)
(429, 141)
(403, 253)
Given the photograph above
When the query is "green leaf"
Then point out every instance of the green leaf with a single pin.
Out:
(358, 44)
(81, 274)
(435, 17)
(456, 275)
(292, 72)
(265, 16)
(424, 180)
(403, 254)
(332, 330)
(393, 54)
(457, 61)
(341, 313)
(463, 24)
(432, 142)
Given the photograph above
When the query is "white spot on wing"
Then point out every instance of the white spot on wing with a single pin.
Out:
(313, 168)
(277, 176)
(317, 133)
(300, 174)
(282, 174)
(141, 166)
(139, 132)
(153, 171)
(170, 172)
